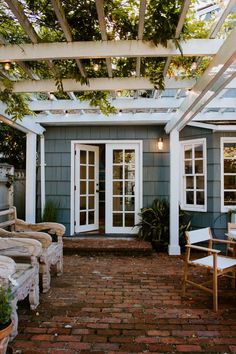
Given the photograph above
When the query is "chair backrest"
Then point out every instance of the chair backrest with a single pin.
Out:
(8, 218)
(232, 228)
(199, 235)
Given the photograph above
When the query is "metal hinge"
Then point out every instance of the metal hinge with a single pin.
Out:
(74, 223)
(74, 188)
(75, 152)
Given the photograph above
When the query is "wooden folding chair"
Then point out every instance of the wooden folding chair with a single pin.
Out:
(217, 264)
(231, 248)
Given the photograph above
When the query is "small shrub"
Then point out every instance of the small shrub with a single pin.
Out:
(5, 306)
(50, 212)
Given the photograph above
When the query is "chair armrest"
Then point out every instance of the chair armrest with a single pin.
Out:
(200, 248)
(53, 227)
(7, 267)
(20, 247)
(42, 237)
(224, 241)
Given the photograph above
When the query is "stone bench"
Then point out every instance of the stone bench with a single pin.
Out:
(21, 276)
(51, 240)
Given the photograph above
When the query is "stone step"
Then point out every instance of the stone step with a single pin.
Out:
(103, 244)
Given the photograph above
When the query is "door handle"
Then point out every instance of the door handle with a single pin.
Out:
(97, 191)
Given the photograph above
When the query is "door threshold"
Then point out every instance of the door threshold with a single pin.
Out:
(103, 235)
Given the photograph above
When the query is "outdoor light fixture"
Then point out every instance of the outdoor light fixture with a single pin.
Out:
(160, 144)
(7, 66)
(95, 67)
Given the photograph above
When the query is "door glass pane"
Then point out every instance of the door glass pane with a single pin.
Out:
(91, 172)
(91, 187)
(187, 151)
(129, 219)
(229, 150)
(83, 218)
(83, 172)
(82, 203)
(198, 166)
(117, 188)
(230, 198)
(118, 219)
(82, 187)
(118, 172)
(200, 198)
(117, 156)
(91, 202)
(129, 188)
(189, 197)
(91, 217)
(199, 151)
(129, 156)
(229, 166)
(129, 172)
(230, 182)
(188, 167)
(91, 157)
(129, 204)
(189, 182)
(83, 157)
(117, 204)
(200, 182)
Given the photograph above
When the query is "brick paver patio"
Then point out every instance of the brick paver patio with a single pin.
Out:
(110, 304)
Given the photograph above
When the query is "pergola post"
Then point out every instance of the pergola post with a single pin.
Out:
(174, 248)
(30, 187)
(42, 172)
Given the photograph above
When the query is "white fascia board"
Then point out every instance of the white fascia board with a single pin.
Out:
(100, 119)
(215, 116)
(202, 125)
(107, 49)
(26, 125)
(119, 103)
(218, 74)
(99, 84)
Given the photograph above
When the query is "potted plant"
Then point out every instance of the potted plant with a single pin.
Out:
(6, 324)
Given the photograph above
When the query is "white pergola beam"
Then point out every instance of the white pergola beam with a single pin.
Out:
(107, 49)
(221, 71)
(221, 18)
(98, 84)
(142, 10)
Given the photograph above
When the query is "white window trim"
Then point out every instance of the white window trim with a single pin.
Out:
(224, 209)
(200, 208)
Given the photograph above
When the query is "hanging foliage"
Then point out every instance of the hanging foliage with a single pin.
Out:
(98, 99)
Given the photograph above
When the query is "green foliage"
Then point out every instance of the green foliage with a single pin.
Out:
(98, 99)
(5, 306)
(50, 212)
(154, 223)
(153, 68)
(12, 146)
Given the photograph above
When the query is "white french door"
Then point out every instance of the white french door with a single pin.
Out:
(123, 197)
(86, 187)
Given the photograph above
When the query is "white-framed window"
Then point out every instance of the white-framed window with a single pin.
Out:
(194, 179)
(228, 173)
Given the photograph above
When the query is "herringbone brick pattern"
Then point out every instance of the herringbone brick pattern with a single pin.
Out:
(114, 304)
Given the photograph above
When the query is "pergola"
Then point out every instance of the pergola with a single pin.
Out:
(208, 101)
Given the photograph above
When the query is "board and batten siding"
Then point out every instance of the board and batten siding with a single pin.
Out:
(58, 161)
(213, 217)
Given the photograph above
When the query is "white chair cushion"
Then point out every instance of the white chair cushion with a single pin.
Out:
(232, 233)
(222, 262)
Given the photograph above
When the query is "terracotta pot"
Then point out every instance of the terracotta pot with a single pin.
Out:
(4, 337)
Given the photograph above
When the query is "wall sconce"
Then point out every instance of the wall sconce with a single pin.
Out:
(160, 144)
(7, 66)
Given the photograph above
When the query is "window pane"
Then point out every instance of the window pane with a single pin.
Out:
(230, 166)
(230, 150)
(230, 198)
(129, 188)
(129, 156)
(83, 157)
(91, 203)
(198, 166)
(83, 218)
(91, 217)
(189, 182)
(82, 203)
(189, 197)
(91, 187)
(117, 188)
(129, 204)
(129, 219)
(118, 219)
(200, 198)
(91, 172)
(198, 151)
(188, 167)
(117, 204)
(200, 182)
(129, 172)
(83, 172)
(118, 172)
(187, 151)
(117, 156)
(91, 157)
(230, 182)
(82, 187)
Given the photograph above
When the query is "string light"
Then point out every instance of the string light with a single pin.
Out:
(7, 66)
